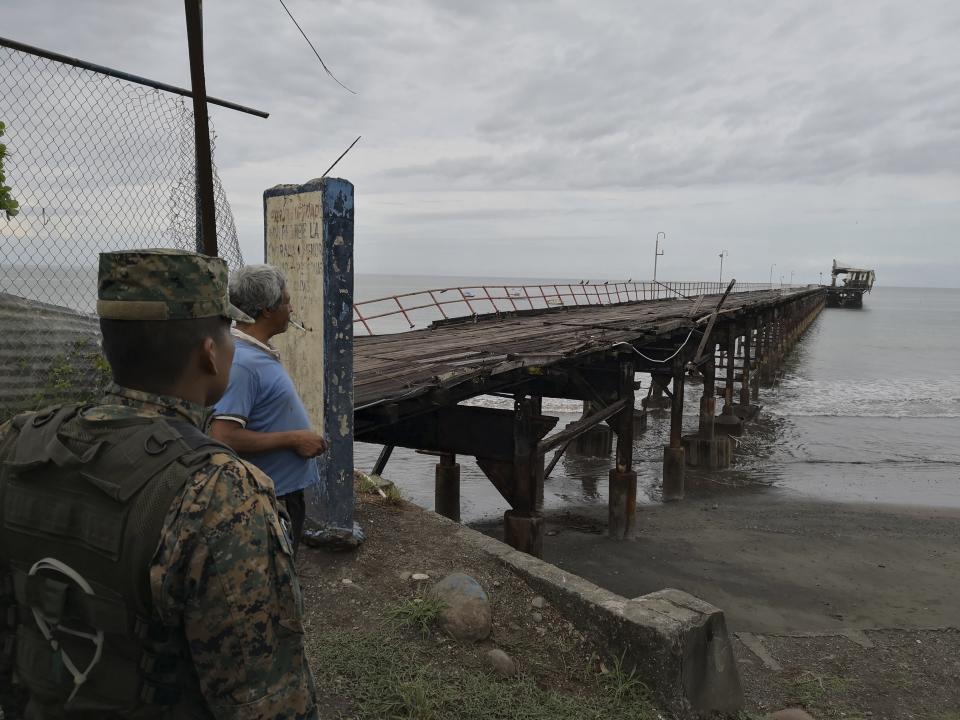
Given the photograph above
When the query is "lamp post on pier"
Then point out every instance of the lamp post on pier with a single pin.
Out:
(657, 252)
(772, 266)
(722, 254)
(791, 278)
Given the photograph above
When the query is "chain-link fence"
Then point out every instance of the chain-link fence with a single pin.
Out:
(96, 163)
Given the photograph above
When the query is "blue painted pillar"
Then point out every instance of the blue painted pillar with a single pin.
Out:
(308, 233)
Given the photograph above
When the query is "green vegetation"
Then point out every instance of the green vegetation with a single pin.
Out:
(8, 204)
(375, 485)
(624, 685)
(418, 613)
(809, 689)
(77, 374)
(393, 675)
(393, 495)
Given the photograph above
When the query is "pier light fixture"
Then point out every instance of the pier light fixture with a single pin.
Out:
(723, 253)
(771, 275)
(657, 252)
(791, 278)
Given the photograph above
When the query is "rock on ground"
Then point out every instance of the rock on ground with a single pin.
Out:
(791, 714)
(502, 663)
(467, 612)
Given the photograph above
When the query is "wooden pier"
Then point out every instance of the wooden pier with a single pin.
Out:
(408, 386)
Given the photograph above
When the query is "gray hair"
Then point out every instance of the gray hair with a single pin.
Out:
(255, 288)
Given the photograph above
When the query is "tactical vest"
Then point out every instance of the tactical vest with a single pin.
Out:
(83, 505)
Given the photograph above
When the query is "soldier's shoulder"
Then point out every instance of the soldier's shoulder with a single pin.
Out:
(224, 486)
(224, 466)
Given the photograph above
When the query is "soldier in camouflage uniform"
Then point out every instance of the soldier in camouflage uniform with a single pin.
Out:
(145, 570)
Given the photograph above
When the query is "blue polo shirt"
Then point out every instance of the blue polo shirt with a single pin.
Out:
(261, 397)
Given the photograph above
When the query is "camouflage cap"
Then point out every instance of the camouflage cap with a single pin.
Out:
(163, 285)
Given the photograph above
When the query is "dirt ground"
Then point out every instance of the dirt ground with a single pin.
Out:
(791, 652)
(369, 664)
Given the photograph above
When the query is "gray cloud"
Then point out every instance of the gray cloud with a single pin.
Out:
(785, 129)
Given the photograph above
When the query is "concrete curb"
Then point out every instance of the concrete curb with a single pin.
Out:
(677, 643)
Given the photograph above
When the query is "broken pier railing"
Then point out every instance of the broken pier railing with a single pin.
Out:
(406, 311)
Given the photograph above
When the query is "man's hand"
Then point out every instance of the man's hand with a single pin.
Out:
(307, 444)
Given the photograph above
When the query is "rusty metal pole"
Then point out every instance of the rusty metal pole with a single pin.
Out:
(708, 401)
(755, 365)
(446, 489)
(673, 454)
(623, 480)
(745, 376)
(201, 130)
(523, 524)
(731, 369)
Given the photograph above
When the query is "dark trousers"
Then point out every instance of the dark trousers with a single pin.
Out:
(297, 510)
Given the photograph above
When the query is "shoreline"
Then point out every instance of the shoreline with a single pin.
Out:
(776, 561)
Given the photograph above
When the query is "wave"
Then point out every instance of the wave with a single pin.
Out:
(872, 398)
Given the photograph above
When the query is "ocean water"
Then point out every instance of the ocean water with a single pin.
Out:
(867, 410)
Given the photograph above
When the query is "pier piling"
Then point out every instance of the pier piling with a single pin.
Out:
(673, 454)
(623, 480)
(446, 493)
(706, 449)
(729, 422)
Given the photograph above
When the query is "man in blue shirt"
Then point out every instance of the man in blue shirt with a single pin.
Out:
(261, 415)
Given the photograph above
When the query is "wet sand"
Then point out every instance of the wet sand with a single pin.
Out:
(777, 562)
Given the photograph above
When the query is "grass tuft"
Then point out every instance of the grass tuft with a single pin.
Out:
(624, 685)
(418, 613)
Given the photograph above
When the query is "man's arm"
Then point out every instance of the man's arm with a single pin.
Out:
(223, 571)
(230, 432)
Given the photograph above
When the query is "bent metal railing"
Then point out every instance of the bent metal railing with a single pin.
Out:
(425, 306)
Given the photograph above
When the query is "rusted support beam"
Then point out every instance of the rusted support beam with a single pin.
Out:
(520, 479)
(673, 454)
(706, 448)
(747, 346)
(459, 430)
(578, 428)
(382, 460)
(708, 400)
(731, 354)
(623, 480)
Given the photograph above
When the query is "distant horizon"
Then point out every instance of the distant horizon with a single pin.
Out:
(600, 282)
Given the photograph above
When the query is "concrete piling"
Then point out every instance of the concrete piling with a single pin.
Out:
(524, 531)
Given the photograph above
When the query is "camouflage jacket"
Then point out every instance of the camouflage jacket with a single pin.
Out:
(223, 571)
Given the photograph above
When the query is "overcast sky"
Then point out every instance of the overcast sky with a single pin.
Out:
(555, 139)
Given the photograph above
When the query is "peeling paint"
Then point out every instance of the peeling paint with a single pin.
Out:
(320, 289)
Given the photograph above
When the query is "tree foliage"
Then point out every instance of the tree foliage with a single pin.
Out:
(8, 204)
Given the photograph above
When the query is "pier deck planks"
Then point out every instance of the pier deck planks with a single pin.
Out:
(405, 364)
